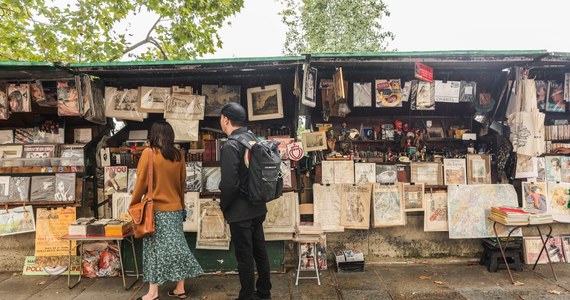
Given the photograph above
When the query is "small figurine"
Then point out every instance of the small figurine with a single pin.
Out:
(344, 129)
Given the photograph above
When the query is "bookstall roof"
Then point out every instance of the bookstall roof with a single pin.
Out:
(26, 71)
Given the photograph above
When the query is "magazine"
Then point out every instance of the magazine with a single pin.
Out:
(115, 180)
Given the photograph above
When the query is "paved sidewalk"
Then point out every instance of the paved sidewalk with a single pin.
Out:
(387, 281)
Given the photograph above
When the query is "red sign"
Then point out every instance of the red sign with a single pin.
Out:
(423, 72)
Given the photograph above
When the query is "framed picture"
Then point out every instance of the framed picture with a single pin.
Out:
(426, 173)
(264, 103)
(454, 171)
(217, 96)
(309, 87)
(435, 214)
(412, 196)
(313, 141)
(153, 99)
(478, 169)
(435, 133)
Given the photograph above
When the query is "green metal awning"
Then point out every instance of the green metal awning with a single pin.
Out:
(26, 71)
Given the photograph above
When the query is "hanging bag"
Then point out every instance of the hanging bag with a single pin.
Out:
(143, 212)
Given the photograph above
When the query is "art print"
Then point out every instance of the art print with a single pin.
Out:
(17, 220)
(42, 188)
(478, 169)
(194, 176)
(387, 206)
(566, 246)
(565, 168)
(192, 205)
(469, 208)
(120, 203)
(426, 173)
(454, 171)
(533, 248)
(4, 188)
(184, 107)
(557, 199)
(314, 141)
(435, 213)
(282, 214)
(388, 93)
(19, 189)
(337, 172)
(153, 99)
(309, 93)
(327, 207)
(19, 97)
(355, 206)
(212, 178)
(184, 130)
(68, 98)
(424, 97)
(123, 104)
(264, 103)
(364, 173)
(386, 173)
(213, 231)
(553, 168)
(412, 196)
(362, 94)
(131, 179)
(555, 98)
(526, 166)
(534, 196)
(218, 95)
(65, 187)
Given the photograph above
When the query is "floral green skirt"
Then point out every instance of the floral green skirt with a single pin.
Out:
(166, 255)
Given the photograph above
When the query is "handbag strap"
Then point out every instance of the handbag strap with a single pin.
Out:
(150, 174)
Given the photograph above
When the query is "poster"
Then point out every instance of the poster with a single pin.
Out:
(51, 225)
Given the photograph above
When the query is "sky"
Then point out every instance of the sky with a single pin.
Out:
(420, 25)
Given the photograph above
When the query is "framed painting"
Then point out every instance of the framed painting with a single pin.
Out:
(412, 196)
(264, 103)
(309, 97)
(478, 169)
(153, 99)
(387, 207)
(426, 173)
(454, 171)
(314, 141)
(217, 96)
(435, 213)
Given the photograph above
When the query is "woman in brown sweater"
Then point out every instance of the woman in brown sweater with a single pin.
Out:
(166, 255)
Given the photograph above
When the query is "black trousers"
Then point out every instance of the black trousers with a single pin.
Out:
(249, 245)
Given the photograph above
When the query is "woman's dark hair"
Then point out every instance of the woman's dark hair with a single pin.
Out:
(162, 137)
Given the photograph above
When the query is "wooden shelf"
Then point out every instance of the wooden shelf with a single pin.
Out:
(42, 203)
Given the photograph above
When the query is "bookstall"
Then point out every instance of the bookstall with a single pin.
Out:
(398, 155)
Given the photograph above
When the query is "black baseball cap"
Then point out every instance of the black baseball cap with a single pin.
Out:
(234, 112)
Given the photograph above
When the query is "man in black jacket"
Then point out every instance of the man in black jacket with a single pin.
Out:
(246, 220)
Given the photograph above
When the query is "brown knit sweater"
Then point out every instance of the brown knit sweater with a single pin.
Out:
(168, 181)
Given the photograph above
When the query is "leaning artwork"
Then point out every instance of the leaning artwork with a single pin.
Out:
(355, 206)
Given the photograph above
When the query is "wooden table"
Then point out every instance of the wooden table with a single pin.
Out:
(81, 239)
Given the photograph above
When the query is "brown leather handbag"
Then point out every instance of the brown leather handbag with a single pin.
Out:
(143, 212)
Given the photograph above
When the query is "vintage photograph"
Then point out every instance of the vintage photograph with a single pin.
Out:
(362, 94)
(19, 189)
(387, 206)
(314, 141)
(153, 99)
(309, 93)
(122, 104)
(65, 187)
(264, 103)
(218, 95)
(42, 188)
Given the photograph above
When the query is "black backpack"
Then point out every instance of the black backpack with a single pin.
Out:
(265, 180)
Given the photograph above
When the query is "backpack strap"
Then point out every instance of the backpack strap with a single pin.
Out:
(243, 140)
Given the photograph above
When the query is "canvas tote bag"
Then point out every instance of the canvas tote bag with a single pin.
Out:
(143, 212)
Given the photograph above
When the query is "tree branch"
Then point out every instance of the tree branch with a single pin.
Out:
(153, 27)
(148, 39)
(157, 45)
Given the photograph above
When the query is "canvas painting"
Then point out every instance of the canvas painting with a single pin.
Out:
(194, 176)
(454, 170)
(4, 188)
(412, 196)
(387, 208)
(534, 196)
(386, 173)
(213, 231)
(355, 206)
(533, 246)
(327, 203)
(17, 220)
(309, 93)
(192, 204)
(20, 189)
(435, 213)
(184, 130)
(218, 95)
(558, 198)
(282, 214)
(388, 93)
(120, 206)
(362, 94)
(364, 173)
(264, 103)
(19, 97)
(68, 96)
(185, 107)
(212, 178)
(42, 188)
(553, 168)
(123, 104)
(65, 187)
(469, 208)
(153, 99)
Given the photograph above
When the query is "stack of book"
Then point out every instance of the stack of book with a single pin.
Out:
(509, 215)
(540, 218)
(118, 228)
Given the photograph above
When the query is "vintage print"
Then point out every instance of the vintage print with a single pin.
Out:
(194, 176)
(51, 225)
(213, 231)
(39, 151)
(42, 188)
(553, 168)
(387, 208)
(115, 180)
(386, 173)
(19, 189)
(185, 107)
(557, 200)
(327, 203)
(264, 103)
(123, 104)
(309, 87)
(469, 208)
(184, 130)
(526, 167)
(282, 214)
(192, 204)
(364, 173)
(218, 95)
(120, 206)
(4, 188)
(435, 214)
(426, 172)
(314, 141)
(4, 113)
(65, 187)
(412, 196)
(362, 94)
(424, 97)
(534, 196)
(447, 91)
(17, 220)
(153, 99)
(454, 171)
(565, 168)
(337, 172)
(355, 206)
(19, 97)
(478, 169)
(388, 93)
(68, 95)
(533, 247)
(212, 178)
